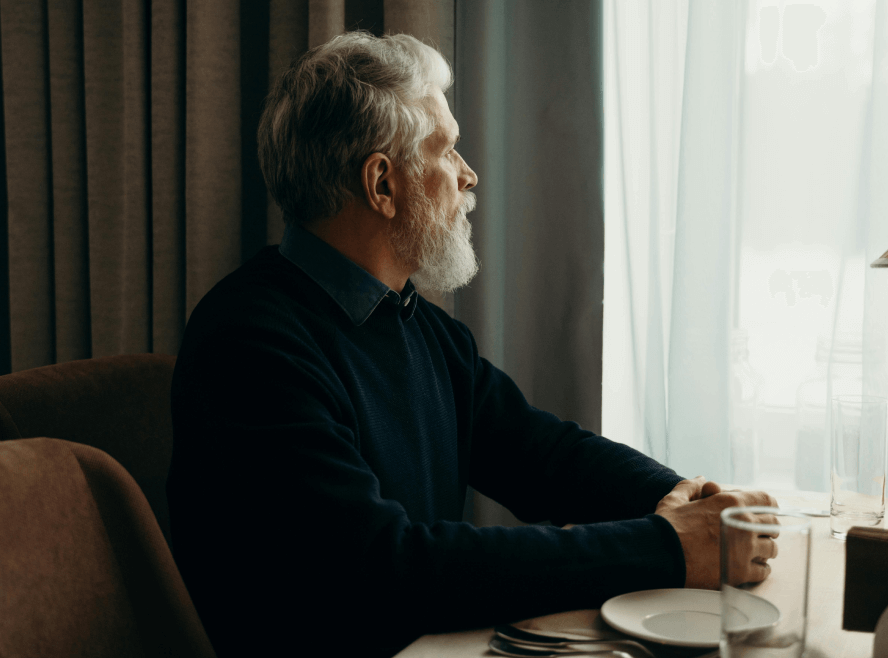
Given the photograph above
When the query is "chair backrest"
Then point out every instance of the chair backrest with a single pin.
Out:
(84, 567)
(118, 404)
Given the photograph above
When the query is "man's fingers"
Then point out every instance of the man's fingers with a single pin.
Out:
(757, 572)
(766, 548)
(689, 489)
(733, 498)
(685, 491)
(754, 549)
(760, 498)
(771, 520)
(754, 571)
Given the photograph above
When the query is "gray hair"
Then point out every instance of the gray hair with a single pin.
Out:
(336, 105)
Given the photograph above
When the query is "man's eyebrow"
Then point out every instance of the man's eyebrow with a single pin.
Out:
(452, 143)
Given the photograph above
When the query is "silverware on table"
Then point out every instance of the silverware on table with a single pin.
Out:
(554, 645)
(523, 643)
(515, 634)
(504, 648)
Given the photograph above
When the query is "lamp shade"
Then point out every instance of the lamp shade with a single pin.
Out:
(881, 262)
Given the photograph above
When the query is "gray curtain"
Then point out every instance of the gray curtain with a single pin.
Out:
(529, 106)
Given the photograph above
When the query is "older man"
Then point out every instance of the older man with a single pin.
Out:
(328, 418)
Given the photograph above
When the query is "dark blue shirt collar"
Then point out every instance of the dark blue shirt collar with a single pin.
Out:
(356, 291)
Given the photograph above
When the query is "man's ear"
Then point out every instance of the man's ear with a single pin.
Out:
(379, 185)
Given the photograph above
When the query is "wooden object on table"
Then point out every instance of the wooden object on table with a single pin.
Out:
(866, 578)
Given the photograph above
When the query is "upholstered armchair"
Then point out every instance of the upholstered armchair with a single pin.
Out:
(85, 570)
(85, 564)
(118, 404)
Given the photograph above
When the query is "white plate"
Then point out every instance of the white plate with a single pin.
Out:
(572, 625)
(684, 617)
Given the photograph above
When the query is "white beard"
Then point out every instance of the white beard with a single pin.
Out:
(441, 249)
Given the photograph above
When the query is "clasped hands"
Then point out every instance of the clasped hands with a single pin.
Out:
(693, 508)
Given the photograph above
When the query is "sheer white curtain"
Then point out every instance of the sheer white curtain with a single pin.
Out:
(746, 192)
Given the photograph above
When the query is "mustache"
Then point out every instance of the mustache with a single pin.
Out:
(469, 202)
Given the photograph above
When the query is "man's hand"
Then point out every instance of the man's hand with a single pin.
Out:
(693, 509)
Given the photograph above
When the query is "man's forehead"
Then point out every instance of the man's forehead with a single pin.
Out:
(447, 129)
(452, 132)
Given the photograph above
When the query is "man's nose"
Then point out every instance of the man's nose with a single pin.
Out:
(472, 178)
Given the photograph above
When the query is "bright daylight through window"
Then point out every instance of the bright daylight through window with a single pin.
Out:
(794, 228)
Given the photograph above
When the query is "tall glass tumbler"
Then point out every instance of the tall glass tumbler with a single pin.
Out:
(857, 473)
(764, 618)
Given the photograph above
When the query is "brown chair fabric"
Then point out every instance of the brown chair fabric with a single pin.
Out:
(118, 404)
(84, 567)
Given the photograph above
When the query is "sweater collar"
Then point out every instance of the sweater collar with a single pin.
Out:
(354, 289)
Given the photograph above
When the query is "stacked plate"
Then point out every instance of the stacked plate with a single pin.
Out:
(650, 623)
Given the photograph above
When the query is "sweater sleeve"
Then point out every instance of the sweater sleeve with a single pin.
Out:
(278, 522)
(543, 468)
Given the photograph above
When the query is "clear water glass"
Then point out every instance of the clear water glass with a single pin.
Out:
(766, 619)
(857, 463)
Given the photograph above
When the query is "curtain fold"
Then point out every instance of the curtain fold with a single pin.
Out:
(873, 212)
(326, 19)
(115, 72)
(529, 105)
(699, 351)
(23, 39)
(212, 145)
(167, 175)
(132, 180)
(69, 174)
(288, 35)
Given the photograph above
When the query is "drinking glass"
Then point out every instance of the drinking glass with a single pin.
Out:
(766, 619)
(857, 474)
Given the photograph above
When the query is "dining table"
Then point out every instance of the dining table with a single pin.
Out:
(825, 636)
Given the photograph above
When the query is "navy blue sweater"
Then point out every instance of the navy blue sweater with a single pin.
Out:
(325, 431)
